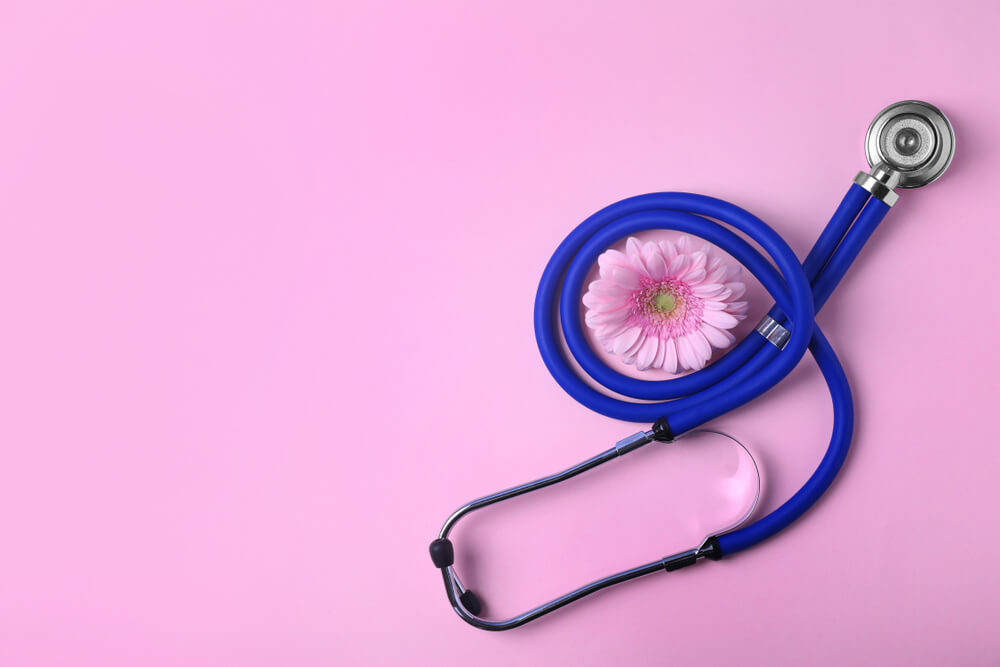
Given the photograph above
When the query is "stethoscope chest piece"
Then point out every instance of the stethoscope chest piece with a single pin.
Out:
(913, 139)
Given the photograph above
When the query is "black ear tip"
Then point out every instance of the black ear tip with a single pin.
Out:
(471, 603)
(442, 553)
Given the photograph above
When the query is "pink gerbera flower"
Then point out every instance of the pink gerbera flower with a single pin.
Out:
(664, 305)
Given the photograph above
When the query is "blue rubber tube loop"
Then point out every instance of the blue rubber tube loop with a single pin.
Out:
(572, 292)
(749, 369)
(796, 293)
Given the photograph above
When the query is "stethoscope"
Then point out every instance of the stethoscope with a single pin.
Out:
(909, 144)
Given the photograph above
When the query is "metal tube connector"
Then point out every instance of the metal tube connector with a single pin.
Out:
(633, 442)
(773, 333)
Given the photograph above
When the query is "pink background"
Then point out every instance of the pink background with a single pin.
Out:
(267, 273)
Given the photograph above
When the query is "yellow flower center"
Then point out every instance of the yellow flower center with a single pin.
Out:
(664, 302)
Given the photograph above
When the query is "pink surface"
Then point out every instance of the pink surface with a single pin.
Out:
(267, 276)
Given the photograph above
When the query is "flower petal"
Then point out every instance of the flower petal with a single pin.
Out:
(738, 289)
(678, 266)
(686, 356)
(707, 290)
(630, 354)
(607, 287)
(609, 259)
(606, 307)
(655, 263)
(719, 318)
(668, 250)
(661, 353)
(717, 337)
(609, 332)
(592, 300)
(627, 339)
(670, 356)
(596, 319)
(634, 251)
(698, 259)
(694, 277)
(595, 300)
(702, 347)
(647, 352)
(718, 275)
(738, 308)
(625, 277)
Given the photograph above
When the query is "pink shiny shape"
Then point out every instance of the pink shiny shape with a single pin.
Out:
(267, 274)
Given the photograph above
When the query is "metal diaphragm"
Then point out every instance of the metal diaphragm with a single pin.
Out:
(912, 138)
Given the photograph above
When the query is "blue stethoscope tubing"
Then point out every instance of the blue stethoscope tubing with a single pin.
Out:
(681, 404)
(749, 369)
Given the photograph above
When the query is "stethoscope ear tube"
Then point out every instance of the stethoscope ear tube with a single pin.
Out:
(468, 605)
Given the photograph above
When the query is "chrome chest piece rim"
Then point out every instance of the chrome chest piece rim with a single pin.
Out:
(913, 139)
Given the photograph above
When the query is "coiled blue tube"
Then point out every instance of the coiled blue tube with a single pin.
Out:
(750, 368)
